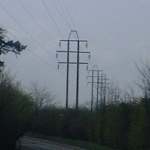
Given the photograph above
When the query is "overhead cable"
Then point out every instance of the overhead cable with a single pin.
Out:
(25, 30)
(51, 17)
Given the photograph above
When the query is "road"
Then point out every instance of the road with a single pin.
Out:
(28, 143)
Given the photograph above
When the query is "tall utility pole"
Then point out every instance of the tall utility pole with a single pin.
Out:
(69, 62)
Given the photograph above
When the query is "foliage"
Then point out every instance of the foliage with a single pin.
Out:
(48, 121)
(123, 125)
(126, 124)
(139, 135)
(9, 46)
(41, 96)
(118, 123)
(15, 107)
(14, 104)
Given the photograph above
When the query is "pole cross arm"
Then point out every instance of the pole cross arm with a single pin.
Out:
(74, 51)
(73, 63)
(73, 40)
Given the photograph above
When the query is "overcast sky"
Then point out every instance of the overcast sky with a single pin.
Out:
(118, 34)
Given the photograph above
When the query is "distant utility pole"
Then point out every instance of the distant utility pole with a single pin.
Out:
(103, 88)
(127, 97)
(117, 93)
(92, 82)
(1, 62)
(68, 51)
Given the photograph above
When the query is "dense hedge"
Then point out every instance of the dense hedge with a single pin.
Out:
(121, 125)
(124, 125)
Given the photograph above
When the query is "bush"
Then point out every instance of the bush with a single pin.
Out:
(15, 107)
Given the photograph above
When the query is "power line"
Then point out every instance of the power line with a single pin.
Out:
(60, 14)
(43, 31)
(67, 22)
(51, 17)
(24, 29)
(68, 14)
(34, 19)
(32, 52)
(35, 55)
(42, 60)
(64, 16)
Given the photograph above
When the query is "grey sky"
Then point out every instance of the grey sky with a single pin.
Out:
(118, 33)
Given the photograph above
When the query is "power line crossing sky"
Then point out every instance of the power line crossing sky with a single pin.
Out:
(117, 33)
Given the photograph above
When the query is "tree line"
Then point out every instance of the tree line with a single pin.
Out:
(122, 125)
(118, 125)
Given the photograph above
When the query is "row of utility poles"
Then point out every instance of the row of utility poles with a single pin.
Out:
(99, 80)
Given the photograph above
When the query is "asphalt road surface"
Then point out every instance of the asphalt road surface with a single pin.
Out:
(28, 143)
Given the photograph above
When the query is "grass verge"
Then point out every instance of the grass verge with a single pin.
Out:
(71, 142)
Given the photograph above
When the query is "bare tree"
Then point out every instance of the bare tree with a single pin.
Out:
(41, 96)
(144, 82)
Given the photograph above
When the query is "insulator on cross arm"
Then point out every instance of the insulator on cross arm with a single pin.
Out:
(87, 67)
(89, 56)
(86, 45)
(1, 63)
(56, 55)
(59, 44)
(58, 66)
